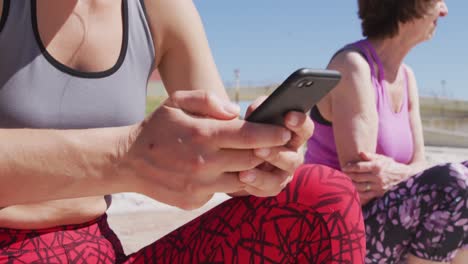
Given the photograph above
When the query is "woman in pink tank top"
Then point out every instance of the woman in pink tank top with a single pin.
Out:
(369, 127)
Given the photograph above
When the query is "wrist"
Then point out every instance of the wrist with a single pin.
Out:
(120, 174)
(398, 172)
(405, 171)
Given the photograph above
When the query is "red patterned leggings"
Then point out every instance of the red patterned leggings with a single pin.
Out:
(316, 219)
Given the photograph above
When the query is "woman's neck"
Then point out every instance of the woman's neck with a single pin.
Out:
(391, 52)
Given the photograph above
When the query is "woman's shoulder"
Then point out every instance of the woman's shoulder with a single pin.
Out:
(351, 53)
(168, 23)
(349, 60)
(356, 81)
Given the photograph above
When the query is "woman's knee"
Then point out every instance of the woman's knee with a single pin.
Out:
(465, 163)
(332, 195)
(449, 178)
(321, 186)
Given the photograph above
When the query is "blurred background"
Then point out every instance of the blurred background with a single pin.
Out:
(257, 44)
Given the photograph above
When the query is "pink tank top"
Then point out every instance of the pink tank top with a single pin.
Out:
(394, 138)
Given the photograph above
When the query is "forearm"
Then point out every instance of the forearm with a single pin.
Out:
(38, 165)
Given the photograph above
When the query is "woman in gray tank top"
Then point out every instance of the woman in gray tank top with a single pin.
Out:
(73, 78)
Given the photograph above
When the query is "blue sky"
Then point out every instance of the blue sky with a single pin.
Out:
(268, 39)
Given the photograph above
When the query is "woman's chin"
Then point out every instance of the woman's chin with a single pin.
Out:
(430, 35)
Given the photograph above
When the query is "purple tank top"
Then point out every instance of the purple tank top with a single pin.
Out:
(394, 138)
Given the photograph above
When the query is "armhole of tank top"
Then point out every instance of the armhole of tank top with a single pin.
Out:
(317, 117)
(142, 3)
(4, 14)
(145, 13)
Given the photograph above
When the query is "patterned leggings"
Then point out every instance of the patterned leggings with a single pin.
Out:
(426, 216)
(316, 219)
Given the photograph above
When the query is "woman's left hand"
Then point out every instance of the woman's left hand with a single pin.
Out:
(282, 161)
(373, 176)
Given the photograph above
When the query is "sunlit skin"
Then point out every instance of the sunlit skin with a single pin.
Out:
(437, 10)
(82, 34)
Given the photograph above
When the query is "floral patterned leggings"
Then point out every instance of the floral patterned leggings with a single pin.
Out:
(426, 216)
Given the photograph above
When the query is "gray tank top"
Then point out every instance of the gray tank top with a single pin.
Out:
(37, 91)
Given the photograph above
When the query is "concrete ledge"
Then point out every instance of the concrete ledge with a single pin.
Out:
(443, 107)
(445, 138)
(453, 124)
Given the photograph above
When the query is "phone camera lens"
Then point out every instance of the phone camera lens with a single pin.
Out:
(301, 84)
(309, 83)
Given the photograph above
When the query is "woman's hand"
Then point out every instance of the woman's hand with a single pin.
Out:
(276, 172)
(193, 146)
(374, 175)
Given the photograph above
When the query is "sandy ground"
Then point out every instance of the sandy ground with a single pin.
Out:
(138, 220)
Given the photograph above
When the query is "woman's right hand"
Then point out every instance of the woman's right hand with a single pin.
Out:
(193, 146)
(375, 174)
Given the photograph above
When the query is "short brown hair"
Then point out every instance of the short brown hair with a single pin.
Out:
(380, 18)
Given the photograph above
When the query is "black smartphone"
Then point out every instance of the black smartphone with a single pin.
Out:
(299, 92)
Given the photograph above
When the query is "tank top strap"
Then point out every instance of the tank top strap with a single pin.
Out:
(15, 15)
(372, 59)
(360, 47)
(140, 38)
(376, 59)
(367, 55)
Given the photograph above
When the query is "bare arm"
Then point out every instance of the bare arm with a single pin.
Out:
(355, 124)
(39, 165)
(172, 157)
(183, 56)
(353, 110)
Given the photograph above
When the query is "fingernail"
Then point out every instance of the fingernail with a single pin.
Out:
(247, 177)
(231, 108)
(293, 120)
(286, 136)
(262, 152)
